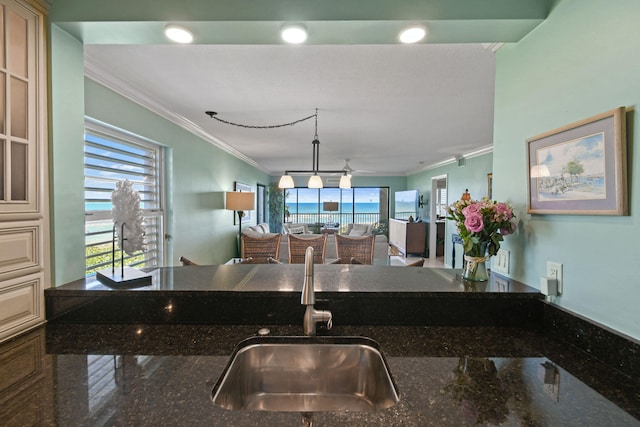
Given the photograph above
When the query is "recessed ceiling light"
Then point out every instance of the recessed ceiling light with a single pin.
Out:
(412, 34)
(178, 34)
(294, 33)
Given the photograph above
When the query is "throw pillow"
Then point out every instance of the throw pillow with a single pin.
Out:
(296, 230)
(252, 233)
(256, 228)
(358, 230)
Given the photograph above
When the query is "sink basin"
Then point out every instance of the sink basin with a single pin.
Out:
(306, 374)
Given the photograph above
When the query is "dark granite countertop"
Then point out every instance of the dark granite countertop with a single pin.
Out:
(329, 278)
(251, 294)
(162, 375)
(460, 353)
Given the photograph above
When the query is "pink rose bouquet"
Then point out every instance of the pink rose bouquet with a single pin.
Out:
(482, 224)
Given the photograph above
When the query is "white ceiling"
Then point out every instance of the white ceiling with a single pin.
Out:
(392, 109)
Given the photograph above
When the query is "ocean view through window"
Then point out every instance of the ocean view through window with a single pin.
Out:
(358, 205)
(113, 155)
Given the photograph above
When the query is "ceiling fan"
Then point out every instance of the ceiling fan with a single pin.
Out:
(333, 179)
(350, 171)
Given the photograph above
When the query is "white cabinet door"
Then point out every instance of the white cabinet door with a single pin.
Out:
(24, 216)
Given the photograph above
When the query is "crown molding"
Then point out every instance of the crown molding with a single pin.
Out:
(452, 160)
(102, 77)
(493, 47)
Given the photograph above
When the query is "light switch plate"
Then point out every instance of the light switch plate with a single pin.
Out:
(501, 262)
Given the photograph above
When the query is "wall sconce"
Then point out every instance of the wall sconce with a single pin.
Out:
(421, 201)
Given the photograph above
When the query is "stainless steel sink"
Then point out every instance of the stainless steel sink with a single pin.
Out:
(306, 374)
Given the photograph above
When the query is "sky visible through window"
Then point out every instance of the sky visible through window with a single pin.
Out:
(106, 166)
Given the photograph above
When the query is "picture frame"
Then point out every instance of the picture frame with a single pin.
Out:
(580, 168)
(239, 186)
(490, 186)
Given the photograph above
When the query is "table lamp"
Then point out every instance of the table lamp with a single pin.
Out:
(240, 201)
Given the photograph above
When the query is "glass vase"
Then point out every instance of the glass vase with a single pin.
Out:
(475, 268)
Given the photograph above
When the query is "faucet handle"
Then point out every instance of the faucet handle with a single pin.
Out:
(313, 316)
(328, 316)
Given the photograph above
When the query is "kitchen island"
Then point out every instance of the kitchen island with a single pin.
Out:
(460, 353)
(258, 293)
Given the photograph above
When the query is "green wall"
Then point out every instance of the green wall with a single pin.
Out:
(67, 157)
(471, 176)
(583, 60)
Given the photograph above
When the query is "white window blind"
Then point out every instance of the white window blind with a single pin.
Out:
(112, 155)
(442, 202)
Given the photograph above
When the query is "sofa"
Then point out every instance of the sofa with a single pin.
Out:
(293, 228)
(380, 251)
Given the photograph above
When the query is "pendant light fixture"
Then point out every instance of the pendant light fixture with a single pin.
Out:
(345, 181)
(315, 181)
(286, 181)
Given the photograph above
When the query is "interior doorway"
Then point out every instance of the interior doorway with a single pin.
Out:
(437, 216)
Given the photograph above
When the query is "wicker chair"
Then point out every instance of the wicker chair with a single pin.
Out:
(186, 261)
(360, 248)
(261, 247)
(299, 245)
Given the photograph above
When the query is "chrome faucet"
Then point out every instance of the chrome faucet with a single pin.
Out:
(311, 315)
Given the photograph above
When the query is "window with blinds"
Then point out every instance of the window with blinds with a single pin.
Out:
(112, 155)
(441, 199)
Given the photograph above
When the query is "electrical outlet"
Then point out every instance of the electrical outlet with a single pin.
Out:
(554, 269)
(501, 264)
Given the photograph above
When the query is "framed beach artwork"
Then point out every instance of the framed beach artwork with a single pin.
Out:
(581, 168)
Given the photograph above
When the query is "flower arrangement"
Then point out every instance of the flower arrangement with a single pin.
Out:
(482, 225)
(483, 221)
